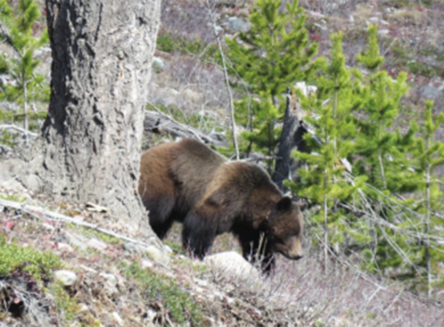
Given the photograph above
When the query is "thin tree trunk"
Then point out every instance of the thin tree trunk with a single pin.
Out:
(325, 221)
(227, 82)
(25, 108)
(381, 165)
(102, 54)
(427, 232)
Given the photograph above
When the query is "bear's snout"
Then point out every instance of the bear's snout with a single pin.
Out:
(294, 249)
(294, 256)
(297, 257)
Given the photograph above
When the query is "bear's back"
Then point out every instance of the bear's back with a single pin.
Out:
(182, 169)
(194, 162)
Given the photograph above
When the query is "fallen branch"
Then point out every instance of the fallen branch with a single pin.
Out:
(260, 158)
(157, 120)
(19, 129)
(41, 213)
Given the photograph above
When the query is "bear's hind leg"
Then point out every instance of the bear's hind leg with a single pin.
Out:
(196, 236)
(160, 217)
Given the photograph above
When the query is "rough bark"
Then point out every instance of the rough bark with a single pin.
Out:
(291, 138)
(102, 52)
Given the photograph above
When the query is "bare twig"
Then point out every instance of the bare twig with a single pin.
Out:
(230, 95)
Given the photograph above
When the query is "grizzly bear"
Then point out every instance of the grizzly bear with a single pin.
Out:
(190, 183)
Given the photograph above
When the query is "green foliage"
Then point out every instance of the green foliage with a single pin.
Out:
(102, 236)
(371, 57)
(21, 67)
(66, 305)
(155, 287)
(13, 197)
(428, 154)
(365, 212)
(38, 264)
(274, 54)
(264, 114)
(177, 248)
(69, 309)
(382, 151)
(29, 86)
(323, 181)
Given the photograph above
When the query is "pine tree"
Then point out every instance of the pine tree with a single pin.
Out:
(29, 86)
(429, 154)
(383, 151)
(274, 54)
(324, 182)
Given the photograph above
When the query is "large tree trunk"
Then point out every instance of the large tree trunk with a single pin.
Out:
(102, 52)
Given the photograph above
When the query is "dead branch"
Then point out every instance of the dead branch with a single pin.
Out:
(18, 129)
(41, 213)
(260, 158)
(383, 223)
(286, 144)
(159, 121)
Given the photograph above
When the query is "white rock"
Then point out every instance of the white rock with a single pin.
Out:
(117, 318)
(66, 277)
(83, 307)
(158, 62)
(157, 255)
(232, 263)
(111, 280)
(66, 247)
(96, 244)
(146, 264)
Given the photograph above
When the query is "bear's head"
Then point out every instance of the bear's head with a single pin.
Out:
(285, 228)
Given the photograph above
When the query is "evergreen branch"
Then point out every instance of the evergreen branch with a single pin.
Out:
(4, 32)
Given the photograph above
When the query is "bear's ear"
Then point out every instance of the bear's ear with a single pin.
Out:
(284, 204)
(302, 206)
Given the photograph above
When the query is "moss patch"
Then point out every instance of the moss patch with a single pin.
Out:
(38, 264)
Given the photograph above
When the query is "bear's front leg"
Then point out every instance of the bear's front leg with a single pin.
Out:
(256, 250)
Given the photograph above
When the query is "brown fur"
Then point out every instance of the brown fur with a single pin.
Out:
(188, 182)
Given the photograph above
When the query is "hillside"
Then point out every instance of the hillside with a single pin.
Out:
(73, 264)
(89, 278)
